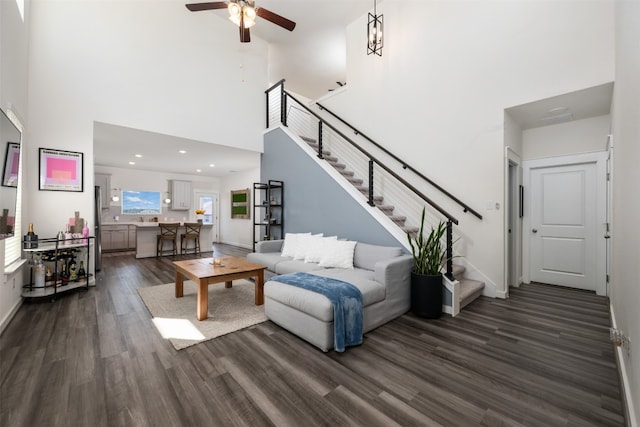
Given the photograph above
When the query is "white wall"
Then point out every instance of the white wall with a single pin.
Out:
(437, 95)
(146, 65)
(625, 292)
(236, 231)
(512, 134)
(579, 136)
(14, 52)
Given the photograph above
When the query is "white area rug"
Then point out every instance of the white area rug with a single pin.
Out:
(175, 318)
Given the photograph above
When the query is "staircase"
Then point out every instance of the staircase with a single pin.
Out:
(285, 110)
(468, 289)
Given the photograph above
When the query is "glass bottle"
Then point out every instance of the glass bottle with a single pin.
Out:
(30, 239)
(81, 271)
(64, 276)
(38, 273)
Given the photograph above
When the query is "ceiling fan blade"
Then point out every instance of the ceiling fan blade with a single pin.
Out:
(245, 36)
(195, 7)
(275, 18)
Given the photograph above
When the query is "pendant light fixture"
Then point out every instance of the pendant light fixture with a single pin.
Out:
(374, 32)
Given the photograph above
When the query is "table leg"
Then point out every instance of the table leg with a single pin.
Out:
(228, 284)
(202, 308)
(179, 284)
(259, 288)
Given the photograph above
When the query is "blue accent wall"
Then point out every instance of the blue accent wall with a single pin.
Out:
(313, 200)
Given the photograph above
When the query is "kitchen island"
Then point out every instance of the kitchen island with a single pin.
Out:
(147, 232)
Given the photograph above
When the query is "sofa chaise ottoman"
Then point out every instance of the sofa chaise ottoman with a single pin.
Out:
(381, 273)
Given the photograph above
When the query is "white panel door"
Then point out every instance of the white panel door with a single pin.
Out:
(564, 229)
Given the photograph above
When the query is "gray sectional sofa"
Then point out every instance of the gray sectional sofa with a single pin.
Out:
(381, 273)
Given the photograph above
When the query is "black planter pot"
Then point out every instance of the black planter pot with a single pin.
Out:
(426, 295)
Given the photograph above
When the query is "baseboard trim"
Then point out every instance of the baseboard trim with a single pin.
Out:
(9, 317)
(624, 378)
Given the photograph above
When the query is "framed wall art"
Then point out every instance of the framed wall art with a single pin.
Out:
(240, 200)
(11, 163)
(61, 170)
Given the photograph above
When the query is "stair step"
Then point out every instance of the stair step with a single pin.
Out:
(313, 145)
(410, 230)
(309, 140)
(355, 181)
(458, 271)
(330, 159)
(398, 219)
(346, 173)
(338, 166)
(469, 291)
(388, 209)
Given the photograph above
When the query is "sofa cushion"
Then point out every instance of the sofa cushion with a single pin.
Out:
(318, 305)
(305, 243)
(366, 256)
(292, 266)
(338, 253)
(315, 252)
(291, 243)
(269, 259)
(372, 291)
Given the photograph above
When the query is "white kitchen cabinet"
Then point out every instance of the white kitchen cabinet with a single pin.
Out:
(180, 195)
(115, 237)
(132, 236)
(103, 181)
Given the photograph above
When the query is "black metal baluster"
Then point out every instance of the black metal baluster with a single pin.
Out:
(449, 254)
(371, 183)
(320, 156)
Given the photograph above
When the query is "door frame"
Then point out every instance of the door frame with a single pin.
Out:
(600, 159)
(513, 241)
(216, 210)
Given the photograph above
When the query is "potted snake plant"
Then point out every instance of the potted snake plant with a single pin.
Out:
(426, 275)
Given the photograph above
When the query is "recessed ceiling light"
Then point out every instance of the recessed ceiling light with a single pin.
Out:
(182, 151)
(138, 155)
(132, 163)
(198, 170)
(212, 165)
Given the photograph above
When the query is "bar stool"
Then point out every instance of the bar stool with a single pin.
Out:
(191, 232)
(168, 233)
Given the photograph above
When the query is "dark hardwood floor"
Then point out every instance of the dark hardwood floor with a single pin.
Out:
(93, 358)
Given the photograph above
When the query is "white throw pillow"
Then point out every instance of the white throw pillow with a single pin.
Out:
(290, 244)
(316, 249)
(338, 254)
(304, 243)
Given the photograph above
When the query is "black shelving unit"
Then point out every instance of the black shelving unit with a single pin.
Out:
(268, 211)
(53, 252)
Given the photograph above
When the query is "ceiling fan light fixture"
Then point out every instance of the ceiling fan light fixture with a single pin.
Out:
(234, 9)
(375, 25)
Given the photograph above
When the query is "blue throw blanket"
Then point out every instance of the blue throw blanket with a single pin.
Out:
(346, 300)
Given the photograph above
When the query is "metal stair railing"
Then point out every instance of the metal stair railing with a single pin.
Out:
(282, 107)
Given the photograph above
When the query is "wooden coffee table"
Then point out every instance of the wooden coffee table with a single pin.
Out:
(203, 272)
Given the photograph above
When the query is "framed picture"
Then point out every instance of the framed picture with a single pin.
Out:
(61, 170)
(11, 163)
(240, 200)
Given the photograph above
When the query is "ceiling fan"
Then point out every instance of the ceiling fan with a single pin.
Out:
(243, 13)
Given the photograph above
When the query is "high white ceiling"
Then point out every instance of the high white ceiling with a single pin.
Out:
(311, 58)
(116, 146)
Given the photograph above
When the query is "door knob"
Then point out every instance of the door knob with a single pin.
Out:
(534, 230)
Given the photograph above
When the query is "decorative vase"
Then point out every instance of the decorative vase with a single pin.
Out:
(199, 218)
(426, 295)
